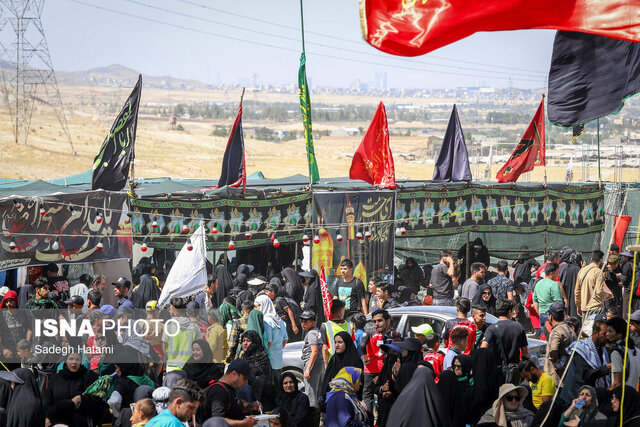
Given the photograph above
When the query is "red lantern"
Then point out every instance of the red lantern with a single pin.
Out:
(247, 234)
(367, 234)
(100, 246)
(305, 238)
(98, 218)
(144, 247)
(189, 246)
(276, 243)
(154, 224)
(316, 239)
(214, 230)
(232, 245)
(359, 235)
(12, 245)
(339, 237)
(42, 212)
(185, 229)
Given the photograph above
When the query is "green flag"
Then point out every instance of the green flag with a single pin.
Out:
(305, 107)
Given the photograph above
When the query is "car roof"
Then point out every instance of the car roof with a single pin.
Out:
(443, 311)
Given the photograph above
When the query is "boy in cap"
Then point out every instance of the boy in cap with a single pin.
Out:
(431, 352)
(311, 356)
(121, 289)
(75, 304)
(560, 337)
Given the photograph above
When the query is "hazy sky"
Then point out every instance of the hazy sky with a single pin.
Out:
(225, 41)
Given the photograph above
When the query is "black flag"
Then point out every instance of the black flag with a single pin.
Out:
(111, 165)
(453, 160)
(590, 76)
(234, 170)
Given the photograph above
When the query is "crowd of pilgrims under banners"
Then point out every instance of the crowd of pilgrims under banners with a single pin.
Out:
(216, 358)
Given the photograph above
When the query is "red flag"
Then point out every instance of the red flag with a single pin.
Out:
(373, 161)
(415, 27)
(529, 152)
(621, 223)
(326, 296)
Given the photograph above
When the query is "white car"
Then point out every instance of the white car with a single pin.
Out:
(402, 320)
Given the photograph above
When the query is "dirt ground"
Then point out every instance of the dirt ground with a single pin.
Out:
(194, 153)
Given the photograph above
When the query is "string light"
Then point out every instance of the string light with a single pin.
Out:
(100, 245)
(359, 235)
(43, 212)
(276, 243)
(98, 218)
(367, 234)
(189, 245)
(214, 230)
(12, 245)
(17, 204)
(247, 234)
(339, 237)
(316, 239)
(232, 245)
(185, 229)
(55, 245)
(305, 238)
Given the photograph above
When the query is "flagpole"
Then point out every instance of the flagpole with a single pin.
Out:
(242, 96)
(304, 53)
(599, 176)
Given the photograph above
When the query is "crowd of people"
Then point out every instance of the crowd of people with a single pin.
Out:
(216, 358)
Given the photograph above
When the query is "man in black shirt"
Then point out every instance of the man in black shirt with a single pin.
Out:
(506, 337)
(383, 291)
(441, 280)
(350, 290)
(221, 399)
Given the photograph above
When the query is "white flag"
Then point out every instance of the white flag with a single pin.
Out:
(188, 275)
(569, 176)
(487, 168)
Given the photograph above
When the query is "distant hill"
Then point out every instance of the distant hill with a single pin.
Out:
(116, 75)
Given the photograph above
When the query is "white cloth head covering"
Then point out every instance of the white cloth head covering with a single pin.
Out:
(268, 310)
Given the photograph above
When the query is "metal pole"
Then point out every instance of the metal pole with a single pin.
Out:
(296, 256)
(467, 256)
(599, 174)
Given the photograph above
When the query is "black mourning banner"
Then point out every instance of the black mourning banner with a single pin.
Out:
(161, 223)
(65, 228)
(564, 210)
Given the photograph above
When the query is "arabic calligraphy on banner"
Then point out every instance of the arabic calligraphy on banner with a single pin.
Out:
(64, 228)
(286, 216)
(566, 210)
(340, 214)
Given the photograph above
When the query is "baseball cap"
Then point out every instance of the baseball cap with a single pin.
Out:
(122, 282)
(635, 316)
(392, 346)
(556, 309)
(108, 310)
(308, 314)
(423, 329)
(76, 299)
(241, 366)
(151, 305)
(627, 254)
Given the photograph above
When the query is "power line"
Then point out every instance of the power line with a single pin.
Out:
(296, 39)
(254, 42)
(443, 58)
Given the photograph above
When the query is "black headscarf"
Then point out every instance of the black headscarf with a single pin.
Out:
(286, 400)
(630, 408)
(420, 403)
(489, 306)
(293, 284)
(256, 355)
(349, 357)
(466, 380)
(241, 290)
(225, 284)
(485, 384)
(452, 397)
(313, 297)
(146, 291)
(204, 370)
(25, 408)
(405, 373)
(244, 269)
(568, 278)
